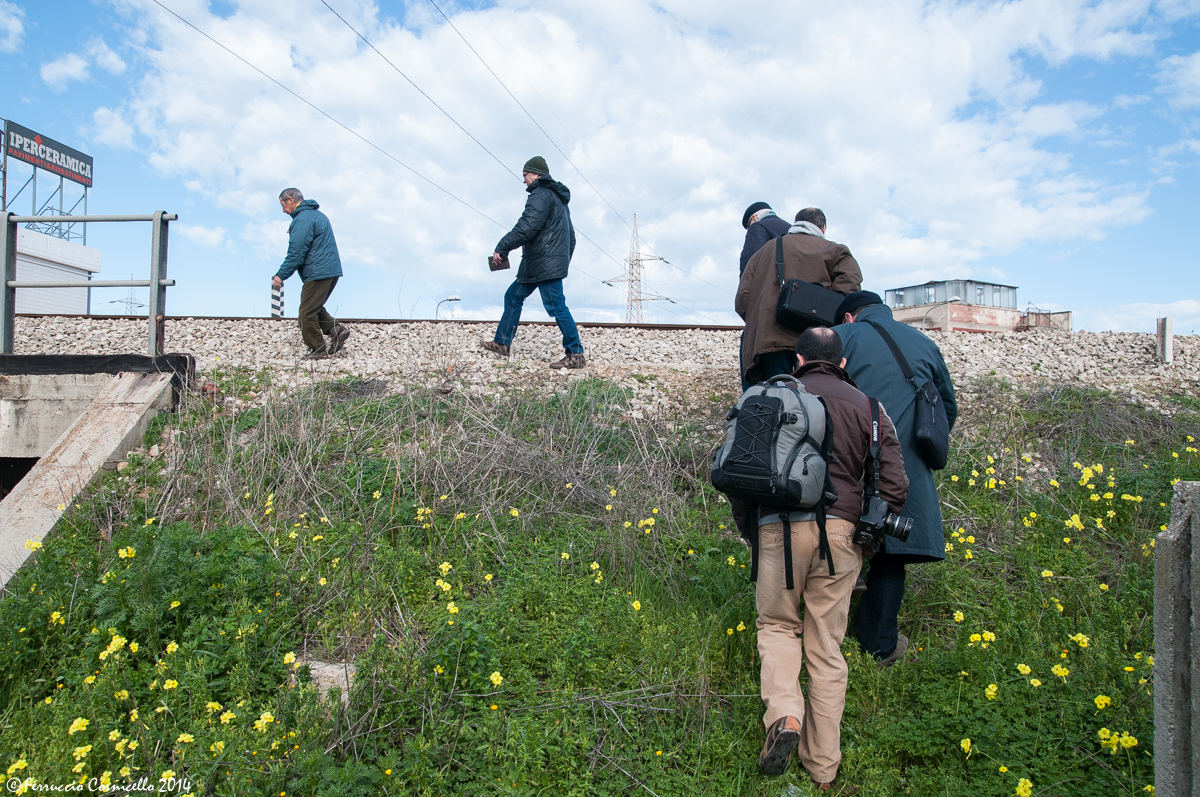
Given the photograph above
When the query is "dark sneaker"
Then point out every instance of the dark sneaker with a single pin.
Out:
(570, 361)
(493, 346)
(316, 354)
(337, 338)
(898, 653)
(860, 585)
(782, 738)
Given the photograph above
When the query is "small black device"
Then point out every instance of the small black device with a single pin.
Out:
(876, 519)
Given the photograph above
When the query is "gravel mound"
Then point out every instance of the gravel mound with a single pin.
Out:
(448, 354)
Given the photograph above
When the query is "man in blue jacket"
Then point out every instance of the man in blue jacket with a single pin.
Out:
(874, 369)
(547, 240)
(313, 252)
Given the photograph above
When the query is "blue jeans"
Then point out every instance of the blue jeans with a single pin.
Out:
(767, 365)
(555, 304)
(879, 608)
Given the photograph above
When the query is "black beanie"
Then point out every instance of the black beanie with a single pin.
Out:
(855, 301)
(750, 211)
(536, 165)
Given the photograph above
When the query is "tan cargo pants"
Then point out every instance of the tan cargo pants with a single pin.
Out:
(785, 639)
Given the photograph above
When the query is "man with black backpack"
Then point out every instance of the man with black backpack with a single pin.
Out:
(804, 552)
(905, 370)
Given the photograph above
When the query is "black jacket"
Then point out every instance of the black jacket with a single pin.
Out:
(761, 232)
(544, 231)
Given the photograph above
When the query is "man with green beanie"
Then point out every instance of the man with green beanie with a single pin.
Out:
(547, 238)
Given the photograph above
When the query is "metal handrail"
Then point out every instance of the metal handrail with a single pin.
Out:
(89, 284)
(158, 282)
(72, 219)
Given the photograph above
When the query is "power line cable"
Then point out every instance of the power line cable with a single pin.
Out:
(555, 144)
(340, 124)
(418, 88)
(379, 149)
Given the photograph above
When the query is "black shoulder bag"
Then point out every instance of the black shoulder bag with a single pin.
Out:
(931, 429)
(803, 304)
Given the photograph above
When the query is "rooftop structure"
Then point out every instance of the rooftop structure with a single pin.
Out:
(967, 306)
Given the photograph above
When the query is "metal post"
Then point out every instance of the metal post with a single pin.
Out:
(158, 291)
(34, 198)
(60, 205)
(84, 228)
(1166, 340)
(8, 296)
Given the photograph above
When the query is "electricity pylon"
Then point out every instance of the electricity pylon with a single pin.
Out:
(633, 278)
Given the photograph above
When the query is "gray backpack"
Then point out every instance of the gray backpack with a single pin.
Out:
(776, 455)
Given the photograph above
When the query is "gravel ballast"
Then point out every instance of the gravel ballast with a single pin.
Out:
(448, 352)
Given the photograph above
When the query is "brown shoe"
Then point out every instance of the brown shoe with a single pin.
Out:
(316, 354)
(844, 788)
(860, 586)
(570, 361)
(782, 738)
(898, 653)
(337, 338)
(498, 348)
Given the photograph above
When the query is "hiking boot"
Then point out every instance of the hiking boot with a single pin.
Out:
(337, 338)
(498, 348)
(898, 653)
(782, 738)
(316, 354)
(570, 361)
(860, 586)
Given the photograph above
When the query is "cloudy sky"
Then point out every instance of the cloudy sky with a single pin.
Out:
(1048, 144)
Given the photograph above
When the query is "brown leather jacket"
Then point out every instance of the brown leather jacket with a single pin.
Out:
(850, 467)
(805, 257)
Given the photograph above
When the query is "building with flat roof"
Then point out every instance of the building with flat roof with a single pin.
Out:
(50, 258)
(967, 306)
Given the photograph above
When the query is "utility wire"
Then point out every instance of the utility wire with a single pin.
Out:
(555, 145)
(340, 124)
(418, 88)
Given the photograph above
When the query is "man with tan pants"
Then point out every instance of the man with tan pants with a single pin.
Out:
(787, 637)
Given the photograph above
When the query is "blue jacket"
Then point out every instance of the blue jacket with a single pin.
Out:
(760, 232)
(871, 365)
(312, 249)
(544, 233)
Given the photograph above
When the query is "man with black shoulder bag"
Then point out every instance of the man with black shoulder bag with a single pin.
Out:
(905, 370)
(807, 522)
(790, 284)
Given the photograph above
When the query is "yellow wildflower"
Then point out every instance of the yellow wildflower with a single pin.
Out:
(1102, 702)
(80, 724)
(637, 606)
(496, 678)
(1024, 669)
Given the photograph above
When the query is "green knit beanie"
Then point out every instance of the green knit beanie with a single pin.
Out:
(536, 165)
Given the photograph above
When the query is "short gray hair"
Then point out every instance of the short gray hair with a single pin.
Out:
(291, 193)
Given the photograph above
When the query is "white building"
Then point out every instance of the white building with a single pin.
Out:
(45, 257)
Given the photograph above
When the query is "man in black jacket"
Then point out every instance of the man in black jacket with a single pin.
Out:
(761, 225)
(547, 238)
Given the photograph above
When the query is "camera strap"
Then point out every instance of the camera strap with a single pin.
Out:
(876, 445)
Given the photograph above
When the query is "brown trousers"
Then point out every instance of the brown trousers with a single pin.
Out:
(785, 639)
(315, 323)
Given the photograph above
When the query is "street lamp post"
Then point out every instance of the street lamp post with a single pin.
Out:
(438, 310)
(951, 300)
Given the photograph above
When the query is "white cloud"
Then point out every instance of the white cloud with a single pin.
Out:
(105, 58)
(203, 236)
(679, 109)
(111, 128)
(59, 72)
(1141, 316)
(12, 29)
(1180, 76)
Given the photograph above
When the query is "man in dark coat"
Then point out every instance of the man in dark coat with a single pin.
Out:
(768, 348)
(873, 367)
(312, 250)
(761, 226)
(547, 238)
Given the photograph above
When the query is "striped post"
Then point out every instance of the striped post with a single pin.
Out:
(276, 302)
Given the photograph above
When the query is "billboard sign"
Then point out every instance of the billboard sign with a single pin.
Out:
(46, 153)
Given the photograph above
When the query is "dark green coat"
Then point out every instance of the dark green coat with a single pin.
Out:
(871, 365)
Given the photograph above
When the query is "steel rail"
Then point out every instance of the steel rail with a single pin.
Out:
(385, 321)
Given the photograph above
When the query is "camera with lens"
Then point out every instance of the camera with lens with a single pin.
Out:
(878, 521)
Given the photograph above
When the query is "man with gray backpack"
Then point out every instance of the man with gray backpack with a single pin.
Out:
(800, 459)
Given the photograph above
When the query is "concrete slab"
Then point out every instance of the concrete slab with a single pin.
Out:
(36, 409)
(1177, 648)
(112, 425)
